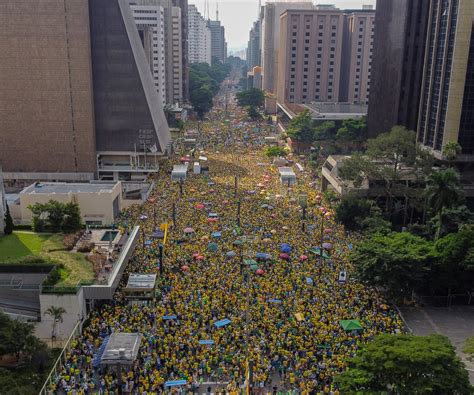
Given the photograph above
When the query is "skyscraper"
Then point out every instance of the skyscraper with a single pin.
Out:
(183, 5)
(270, 31)
(397, 65)
(447, 94)
(77, 91)
(218, 44)
(150, 21)
(199, 40)
(253, 46)
(310, 53)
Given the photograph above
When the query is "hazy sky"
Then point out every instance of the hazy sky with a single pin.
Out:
(237, 16)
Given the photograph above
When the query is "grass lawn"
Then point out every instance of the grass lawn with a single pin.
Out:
(50, 247)
(469, 348)
(20, 244)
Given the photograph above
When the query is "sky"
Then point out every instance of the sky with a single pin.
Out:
(237, 16)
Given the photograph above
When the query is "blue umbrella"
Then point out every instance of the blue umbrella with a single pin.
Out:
(230, 254)
(285, 248)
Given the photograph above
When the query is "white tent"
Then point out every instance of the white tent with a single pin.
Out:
(287, 176)
(179, 172)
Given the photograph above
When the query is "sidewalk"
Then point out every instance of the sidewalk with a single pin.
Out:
(456, 322)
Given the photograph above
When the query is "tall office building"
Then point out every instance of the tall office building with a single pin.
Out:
(77, 91)
(150, 21)
(310, 55)
(253, 46)
(199, 37)
(447, 94)
(3, 203)
(183, 6)
(397, 66)
(175, 39)
(218, 43)
(270, 31)
(357, 55)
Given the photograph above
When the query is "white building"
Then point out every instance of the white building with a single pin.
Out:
(150, 21)
(199, 37)
(175, 57)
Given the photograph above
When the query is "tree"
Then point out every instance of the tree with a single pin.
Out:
(252, 97)
(406, 364)
(273, 152)
(9, 227)
(397, 262)
(56, 314)
(454, 267)
(453, 219)
(443, 191)
(301, 127)
(350, 210)
(201, 99)
(352, 129)
(72, 221)
(253, 113)
(451, 151)
(324, 131)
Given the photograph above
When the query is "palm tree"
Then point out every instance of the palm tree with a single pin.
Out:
(443, 191)
(451, 151)
(57, 314)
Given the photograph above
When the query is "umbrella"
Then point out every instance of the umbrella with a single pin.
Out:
(199, 206)
(231, 254)
(200, 258)
(328, 230)
(303, 257)
(216, 234)
(195, 255)
(212, 247)
(188, 230)
(266, 240)
(212, 220)
(238, 242)
(185, 268)
(264, 206)
(143, 217)
(327, 246)
(254, 268)
(205, 238)
(260, 272)
(286, 248)
(285, 227)
(184, 159)
(284, 256)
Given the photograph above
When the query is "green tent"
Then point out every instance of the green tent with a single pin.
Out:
(317, 251)
(250, 262)
(238, 242)
(351, 325)
(212, 247)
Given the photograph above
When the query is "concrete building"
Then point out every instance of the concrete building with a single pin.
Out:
(310, 55)
(3, 202)
(46, 105)
(397, 67)
(183, 6)
(199, 39)
(129, 119)
(270, 31)
(254, 78)
(150, 21)
(68, 106)
(218, 43)
(447, 94)
(253, 46)
(357, 55)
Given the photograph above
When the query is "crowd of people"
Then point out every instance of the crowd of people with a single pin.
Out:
(240, 249)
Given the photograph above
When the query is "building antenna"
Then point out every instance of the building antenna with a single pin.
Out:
(217, 10)
(259, 8)
(206, 9)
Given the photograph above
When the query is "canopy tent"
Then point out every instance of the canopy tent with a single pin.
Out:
(179, 172)
(287, 176)
(351, 325)
(317, 251)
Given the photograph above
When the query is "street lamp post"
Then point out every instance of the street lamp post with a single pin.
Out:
(303, 200)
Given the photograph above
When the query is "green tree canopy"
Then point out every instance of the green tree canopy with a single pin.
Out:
(324, 131)
(397, 261)
(352, 129)
(57, 216)
(273, 152)
(251, 98)
(406, 364)
(301, 127)
(9, 227)
(443, 190)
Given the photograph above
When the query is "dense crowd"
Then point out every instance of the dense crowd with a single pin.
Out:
(284, 309)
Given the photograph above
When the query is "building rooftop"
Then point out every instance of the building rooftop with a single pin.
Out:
(122, 348)
(137, 281)
(323, 110)
(61, 188)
